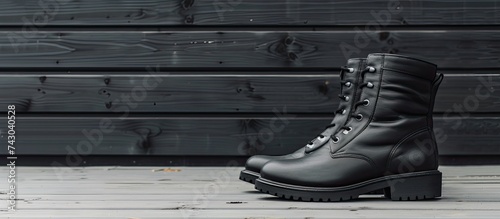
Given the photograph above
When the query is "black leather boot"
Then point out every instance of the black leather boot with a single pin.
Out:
(388, 142)
(349, 77)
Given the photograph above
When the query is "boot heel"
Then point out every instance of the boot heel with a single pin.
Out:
(415, 187)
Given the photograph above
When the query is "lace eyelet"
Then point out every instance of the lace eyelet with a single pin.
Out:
(321, 137)
(351, 70)
(348, 84)
(359, 117)
(336, 140)
(367, 102)
(345, 132)
(371, 69)
(310, 143)
(344, 112)
(370, 85)
(347, 98)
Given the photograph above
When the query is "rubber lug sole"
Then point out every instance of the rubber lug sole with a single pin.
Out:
(249, 176)
(400, 187)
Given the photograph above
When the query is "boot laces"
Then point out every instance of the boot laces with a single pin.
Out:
(341, 111)
(346, 129)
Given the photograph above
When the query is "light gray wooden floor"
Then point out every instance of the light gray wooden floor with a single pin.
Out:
(197, 192)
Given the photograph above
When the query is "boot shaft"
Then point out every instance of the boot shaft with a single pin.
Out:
(405, 87)
(392, 121)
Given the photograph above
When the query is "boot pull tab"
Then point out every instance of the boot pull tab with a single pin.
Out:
(437, 81)
(435, 86)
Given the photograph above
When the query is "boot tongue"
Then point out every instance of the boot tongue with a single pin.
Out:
(344, 106)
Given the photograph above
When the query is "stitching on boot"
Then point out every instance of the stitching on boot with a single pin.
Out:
(403, 140)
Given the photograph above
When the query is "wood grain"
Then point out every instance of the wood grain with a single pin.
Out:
(248, 13)
(66, 50)
(208, 192)
(165, 93)
(160, 135)
(230, 136)
(205, 92)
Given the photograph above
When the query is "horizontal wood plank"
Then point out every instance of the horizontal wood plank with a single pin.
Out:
(239, 213)
(280, 134)
(160, 135)
(229, 92)
(248, 13)
(241, 49)
(164, 93)
(216, 205)
(171, 174)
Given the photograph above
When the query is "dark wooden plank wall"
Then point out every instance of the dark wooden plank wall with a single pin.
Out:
(226, 68)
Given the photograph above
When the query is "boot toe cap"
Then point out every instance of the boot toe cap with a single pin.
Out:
(255, 163)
